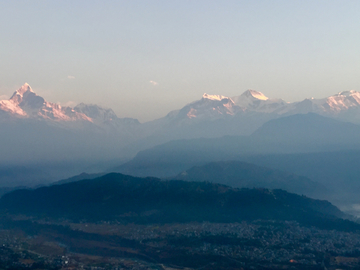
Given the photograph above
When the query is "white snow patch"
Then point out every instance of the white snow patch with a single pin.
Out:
(11, 107)
(213, 97)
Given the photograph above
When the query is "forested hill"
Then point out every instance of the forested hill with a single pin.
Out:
(149, 200)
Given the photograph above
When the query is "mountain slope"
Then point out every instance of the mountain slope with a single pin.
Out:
(337, 169)
(252, 100)
(245, 175)
(216, 116)
(309, 128)
(33, 130)
(211, 116)
(330, 106)
(25, 103)
(293, 134)
(149, 200)
(82, 176)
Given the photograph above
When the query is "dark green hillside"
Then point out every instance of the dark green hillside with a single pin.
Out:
(150, 200)
(241, 174)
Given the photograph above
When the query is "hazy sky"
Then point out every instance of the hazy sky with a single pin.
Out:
(145, 58)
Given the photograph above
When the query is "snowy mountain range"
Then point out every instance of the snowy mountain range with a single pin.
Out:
(254, 101)
(34, 131)
(25, 103)
(209, 117)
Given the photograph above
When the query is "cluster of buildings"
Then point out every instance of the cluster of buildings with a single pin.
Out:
(248, 245)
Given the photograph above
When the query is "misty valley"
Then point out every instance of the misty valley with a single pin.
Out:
(243, 182)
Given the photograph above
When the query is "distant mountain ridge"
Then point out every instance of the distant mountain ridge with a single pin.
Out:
(305, 133)
(245, 175)
(89, 132)
(26, 103)
(82, 176)
(34, 131)
(254, 101)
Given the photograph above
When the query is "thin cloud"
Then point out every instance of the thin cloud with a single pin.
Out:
(2, 97)
(153, 83)
(71, 77)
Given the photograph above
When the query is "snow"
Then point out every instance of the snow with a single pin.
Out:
(191, 113)
(254, 94)
(348, 93)
(257, 95)
(18, 95)
(25, 102)
(11, 107)
(343, 100)
(95, 112)
(252, 100)
(213, 97)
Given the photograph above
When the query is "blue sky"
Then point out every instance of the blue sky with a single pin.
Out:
(145, 58)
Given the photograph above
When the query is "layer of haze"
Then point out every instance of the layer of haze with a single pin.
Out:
(145, 58)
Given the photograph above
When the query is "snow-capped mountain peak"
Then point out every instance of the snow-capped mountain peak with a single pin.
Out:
(26, 103)
(23, 89)
(342, 101)
(95, 112)
(252, 100)
(334, 105)
(11, 106)
(22, 92)
(208, 107)
(349, 93)
(248, 98)
(254, 94)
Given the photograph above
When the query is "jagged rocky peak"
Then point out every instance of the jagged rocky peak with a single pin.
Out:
(25, 88)
(22, 102)
(26, 103)
(22, 92)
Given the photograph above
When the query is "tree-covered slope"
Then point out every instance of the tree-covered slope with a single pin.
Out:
(150, 200)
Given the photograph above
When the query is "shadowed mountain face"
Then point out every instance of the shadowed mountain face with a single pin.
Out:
(130, 199)
(244, 175)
